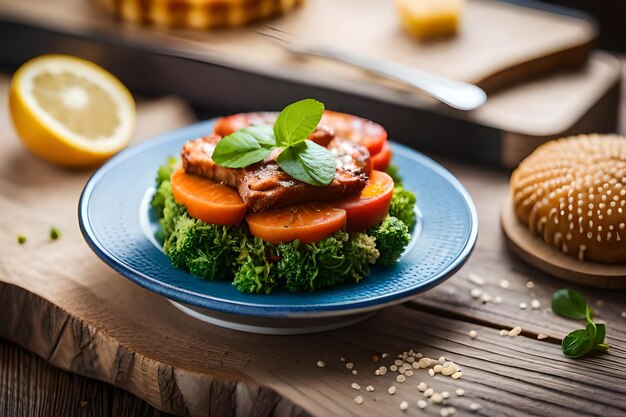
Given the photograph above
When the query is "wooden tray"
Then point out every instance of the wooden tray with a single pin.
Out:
(238, 70)
(551, 260)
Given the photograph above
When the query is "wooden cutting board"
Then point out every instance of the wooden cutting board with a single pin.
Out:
(499, 42)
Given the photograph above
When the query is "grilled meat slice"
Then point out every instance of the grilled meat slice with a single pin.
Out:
(264, 185)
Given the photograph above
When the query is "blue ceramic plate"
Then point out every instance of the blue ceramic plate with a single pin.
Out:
(117, 222)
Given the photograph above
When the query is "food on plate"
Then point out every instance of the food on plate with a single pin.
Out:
(269, 206)
(572, 193)
(198, 14)
(430, 18)
(70, 111)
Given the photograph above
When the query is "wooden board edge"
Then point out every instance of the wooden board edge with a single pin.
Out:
(549, 259)
(70, 344)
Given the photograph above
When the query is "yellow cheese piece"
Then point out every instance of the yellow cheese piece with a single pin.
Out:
(430, 18)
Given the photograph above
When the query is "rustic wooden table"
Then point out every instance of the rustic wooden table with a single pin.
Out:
(115, 332)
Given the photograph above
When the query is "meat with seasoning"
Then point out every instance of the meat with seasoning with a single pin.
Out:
(264, 185)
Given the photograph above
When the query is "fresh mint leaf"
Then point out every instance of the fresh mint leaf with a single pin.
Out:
(243, 147)
(308, 162)
(297, 121)
(569, 303)
(577, 344)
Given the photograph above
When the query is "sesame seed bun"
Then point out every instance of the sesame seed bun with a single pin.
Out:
(572, 193)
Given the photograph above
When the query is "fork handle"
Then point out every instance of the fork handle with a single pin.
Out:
(460, 95)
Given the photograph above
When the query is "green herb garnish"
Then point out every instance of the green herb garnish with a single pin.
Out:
(303, 160)
(54, 233)
(570, 304)
(21, 239)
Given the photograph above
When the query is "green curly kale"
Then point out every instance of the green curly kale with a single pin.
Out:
(392, 236)
(403, 205)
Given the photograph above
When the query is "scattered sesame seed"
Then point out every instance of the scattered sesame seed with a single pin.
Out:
(485, 298)
(523, 306)
(504, 283)
(429, 392)
(473, 334)
(475, 406)
(460, 392)
(451, 410)
(369, 388)
(436, 398)
(504, 332)
(497, 299)
(354, 372)
(422, 386)
(321, 364)
(457, 375)
(530, 284)
(445, 394)
(442, 359)
(398, 362)
(475, 279)
(400, 378)
(393, 368)
(515, 331)
(358, 399)
(404, 406)
(422, 404)
(349, 365)
(342, 359)
(535, 304)
(438, 369)
(382, 370)
(355, 386)
(444, 412)
(392, 390)
(410, 359)
(385, 355)
(476, 292)
(408, 373)
(401, 371)
(542, 336)
(623, 314)
(431, 372)
(448, 371)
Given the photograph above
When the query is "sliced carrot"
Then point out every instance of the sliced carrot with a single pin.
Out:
(382, 159)
(207, 200)
(359, 130)
(372, 205)
(305, 222)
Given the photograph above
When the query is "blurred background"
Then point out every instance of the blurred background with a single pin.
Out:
(544, 66)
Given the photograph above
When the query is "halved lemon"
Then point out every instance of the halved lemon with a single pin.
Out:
(70, 111)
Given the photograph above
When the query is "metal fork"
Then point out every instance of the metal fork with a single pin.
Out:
(456, 94)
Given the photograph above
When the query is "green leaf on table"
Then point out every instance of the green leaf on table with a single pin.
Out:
(297, 121)
(577, 344)
(243, 147)
(569, 303)
(600, 334)
(308, 162)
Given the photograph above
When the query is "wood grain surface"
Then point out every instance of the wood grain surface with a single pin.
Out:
(62, 303)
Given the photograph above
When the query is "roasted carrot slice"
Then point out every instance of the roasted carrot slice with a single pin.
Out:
(305, 222)
(207, 200)
(371, 207)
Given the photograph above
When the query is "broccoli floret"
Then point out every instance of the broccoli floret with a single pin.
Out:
(335, 259)
(162, 185)
(205, 250)
(254, 273)
(297, 267)
(392, 236)
(171, 210)
(402, 206)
